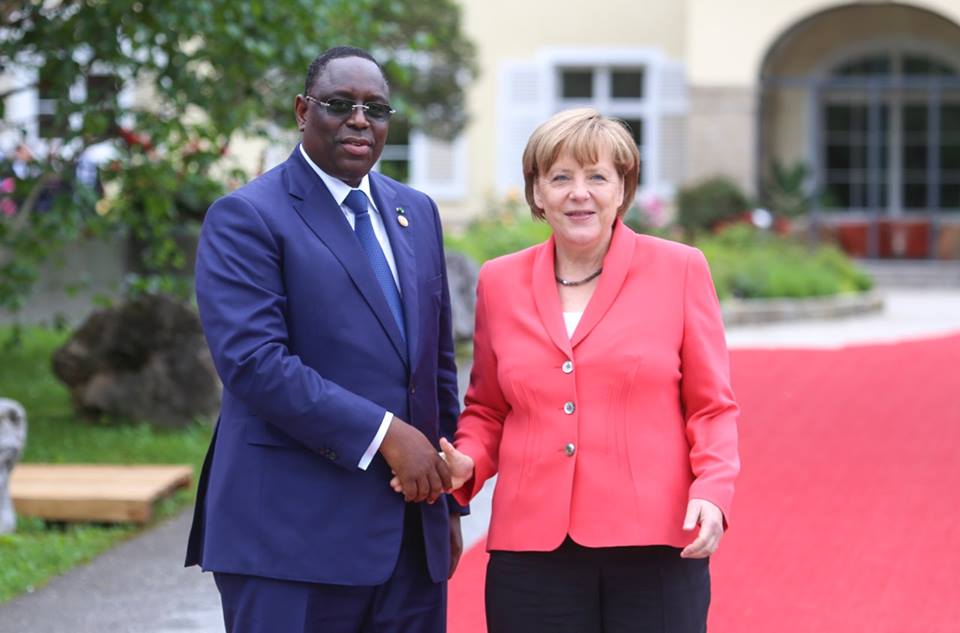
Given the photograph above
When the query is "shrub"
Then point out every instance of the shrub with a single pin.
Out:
(785, 190)
(708, 204)
(747, 263)
(506, 227)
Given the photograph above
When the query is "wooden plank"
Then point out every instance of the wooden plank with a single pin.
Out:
(101, 493)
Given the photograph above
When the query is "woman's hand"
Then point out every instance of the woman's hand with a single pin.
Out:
(710, 519)
(460, 464)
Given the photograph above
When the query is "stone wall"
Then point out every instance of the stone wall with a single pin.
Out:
(721, 134)
(69, 286)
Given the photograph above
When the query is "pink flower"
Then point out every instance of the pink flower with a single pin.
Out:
(8, 207)
(7, 185)
(654, 210)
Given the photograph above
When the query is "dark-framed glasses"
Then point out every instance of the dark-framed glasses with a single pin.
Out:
(344, 108)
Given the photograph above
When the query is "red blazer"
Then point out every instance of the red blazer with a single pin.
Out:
(607, 435)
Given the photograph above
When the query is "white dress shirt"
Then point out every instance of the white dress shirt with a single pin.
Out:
(339, 190)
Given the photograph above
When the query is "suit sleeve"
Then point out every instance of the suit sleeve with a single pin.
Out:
(242, 300)
(710, 409)
(448, 396)
(481, 425)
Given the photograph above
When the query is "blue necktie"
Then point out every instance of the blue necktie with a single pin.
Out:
(357, 202)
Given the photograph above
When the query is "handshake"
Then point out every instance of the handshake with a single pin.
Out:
(420, 473)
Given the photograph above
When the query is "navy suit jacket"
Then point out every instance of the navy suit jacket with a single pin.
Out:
(311, 357)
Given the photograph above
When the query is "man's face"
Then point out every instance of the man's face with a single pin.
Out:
(345, 147)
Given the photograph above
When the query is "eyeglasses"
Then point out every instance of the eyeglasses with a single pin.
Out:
(344, 108)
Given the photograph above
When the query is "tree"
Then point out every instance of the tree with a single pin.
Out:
(214, 69)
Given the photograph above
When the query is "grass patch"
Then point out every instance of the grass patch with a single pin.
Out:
(39, 549)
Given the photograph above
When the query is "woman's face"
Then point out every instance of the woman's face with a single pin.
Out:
(580, 202)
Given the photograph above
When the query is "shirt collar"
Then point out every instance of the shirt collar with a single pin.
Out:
(337, 188)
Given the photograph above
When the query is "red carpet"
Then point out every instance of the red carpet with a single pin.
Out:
(847, 516)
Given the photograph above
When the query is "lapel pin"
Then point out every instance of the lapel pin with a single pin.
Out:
(400, 211)
(404, 222)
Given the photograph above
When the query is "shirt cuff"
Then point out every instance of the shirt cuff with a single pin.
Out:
(377, 441)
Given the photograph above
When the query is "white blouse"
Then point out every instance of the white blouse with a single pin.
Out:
(571, 319)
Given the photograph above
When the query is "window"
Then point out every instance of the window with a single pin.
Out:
(99, 90)
(640, 86)
(627, 84)
(616, 91)
(395, 159)
(917, 66)
(101, 96)
(892, 144)
(427, 163)
(868, 66)
(921, 189)
(577, 84)
(636, 131)
(47, 124)
(849, 144)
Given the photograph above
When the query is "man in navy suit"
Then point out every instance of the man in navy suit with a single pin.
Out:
(323, 294)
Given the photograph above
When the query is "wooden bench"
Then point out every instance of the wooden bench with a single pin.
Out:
(93, 493)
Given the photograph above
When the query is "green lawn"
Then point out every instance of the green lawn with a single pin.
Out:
(38, 549)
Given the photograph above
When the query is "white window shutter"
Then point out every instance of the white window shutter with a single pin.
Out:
(522, 105)
(671, 150)
(672, 87)
(671, 116)
(438, 167)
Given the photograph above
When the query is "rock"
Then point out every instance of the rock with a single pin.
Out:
(144, 360)
(462, 278)
(13, 437)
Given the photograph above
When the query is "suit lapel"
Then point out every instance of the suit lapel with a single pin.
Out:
(401, 242)
(316, 206)
(547, 297)
(616, 264)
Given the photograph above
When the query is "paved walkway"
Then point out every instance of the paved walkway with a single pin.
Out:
(141, 586)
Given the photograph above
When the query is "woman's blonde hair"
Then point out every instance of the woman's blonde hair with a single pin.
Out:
(585, 134)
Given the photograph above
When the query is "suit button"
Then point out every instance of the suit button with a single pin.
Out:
(569, 449)
(567, 367)
(569, 408)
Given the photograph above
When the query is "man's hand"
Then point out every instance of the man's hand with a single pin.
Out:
(456, 543)
(420, 473)
(461, 465)
(710, 519)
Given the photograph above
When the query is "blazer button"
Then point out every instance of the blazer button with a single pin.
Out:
(569, 449)
(567, 367)
(569, 408)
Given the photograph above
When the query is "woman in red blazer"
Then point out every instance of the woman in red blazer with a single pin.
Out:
(600, 396)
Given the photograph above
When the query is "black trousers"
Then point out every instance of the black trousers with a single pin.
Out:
(576, 589)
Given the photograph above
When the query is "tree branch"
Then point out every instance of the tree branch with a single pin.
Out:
(13, 91)
(22, 218)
